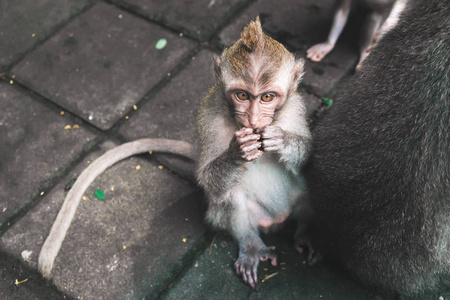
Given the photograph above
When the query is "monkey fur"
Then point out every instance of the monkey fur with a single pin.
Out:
(380, 16)
(252, 150)
(253, 140)
(379, 175)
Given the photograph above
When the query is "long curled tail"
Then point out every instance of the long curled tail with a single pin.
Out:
(59, 229)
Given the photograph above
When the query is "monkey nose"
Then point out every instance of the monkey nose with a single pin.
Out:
(253, 121)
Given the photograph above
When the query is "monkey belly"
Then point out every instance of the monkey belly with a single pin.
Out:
(271, 190)
(263, 217)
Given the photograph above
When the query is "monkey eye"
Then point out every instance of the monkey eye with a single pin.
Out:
(267, 97)
(242, 96)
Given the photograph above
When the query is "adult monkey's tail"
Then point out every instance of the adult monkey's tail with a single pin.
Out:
(59, 229)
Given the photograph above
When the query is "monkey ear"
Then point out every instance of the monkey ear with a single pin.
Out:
(217, 67)
(297, 73)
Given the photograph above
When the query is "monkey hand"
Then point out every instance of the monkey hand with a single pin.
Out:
(247, 144)
(273, 139)
(249, 258)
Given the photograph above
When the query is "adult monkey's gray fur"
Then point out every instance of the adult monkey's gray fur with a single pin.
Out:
(379, 176)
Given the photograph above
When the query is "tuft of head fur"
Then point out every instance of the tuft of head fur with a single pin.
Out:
(252, 36)
(255, 57)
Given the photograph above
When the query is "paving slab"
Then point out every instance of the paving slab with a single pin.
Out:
(195, 18)
(19, 282)
(172, 112)
(291, 23)
(101, 64)
(292, 278)
(25, 23)
(35, 147)
(124, 247)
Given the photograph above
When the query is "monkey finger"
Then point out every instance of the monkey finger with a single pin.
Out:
(272, 145)
(243, 132)
(272, 142)
(249, 147)
(248, 138)
(272, 132)
(272, 149)
(253, 156)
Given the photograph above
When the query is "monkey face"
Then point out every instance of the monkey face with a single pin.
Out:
(255, 109)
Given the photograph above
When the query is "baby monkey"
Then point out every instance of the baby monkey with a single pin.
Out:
(253, 138)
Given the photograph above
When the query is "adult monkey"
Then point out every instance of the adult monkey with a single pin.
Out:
(379, 176)
(254, 138)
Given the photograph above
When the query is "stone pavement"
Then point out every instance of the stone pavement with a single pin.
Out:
(80, 77)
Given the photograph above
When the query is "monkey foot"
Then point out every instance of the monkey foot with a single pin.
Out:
(318, 52)
(301, 243)
(247, 264)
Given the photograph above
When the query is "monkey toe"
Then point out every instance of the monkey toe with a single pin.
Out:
(317, 52)
(303, 244)
(313, 257)
(247, 268)
(247, 265)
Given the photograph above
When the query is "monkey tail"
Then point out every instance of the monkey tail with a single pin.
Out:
(59, 229)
